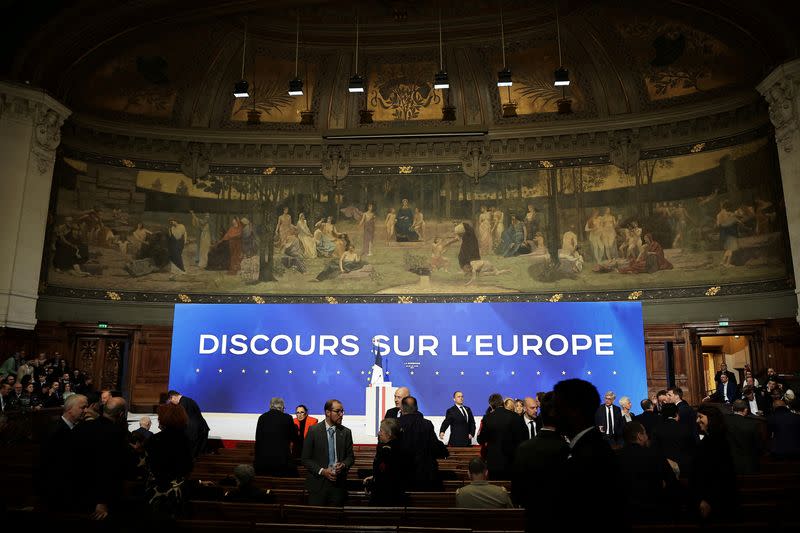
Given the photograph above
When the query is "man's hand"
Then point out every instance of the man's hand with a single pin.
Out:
(705, 509)
(441, 435)
(100, 512)
(330, 474)
(470, 437)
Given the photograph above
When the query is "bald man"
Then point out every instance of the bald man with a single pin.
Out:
(399, 394)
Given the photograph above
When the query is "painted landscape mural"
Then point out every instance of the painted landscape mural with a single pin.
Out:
(711, 217)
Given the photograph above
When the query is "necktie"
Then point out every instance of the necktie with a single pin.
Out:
(610, 420)
(463, 412)
(331, 446)
(532, 430)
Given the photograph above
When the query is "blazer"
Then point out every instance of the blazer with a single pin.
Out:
(730, 397)
(672, 440)
(460, 428)
(315, 455)
(744, 439)
(649, 419)
(539, 460)
(619, 422)
(392, 413)
(731, 376)
(688, 418)
(500, 437)
(521, 429)
(275, 432)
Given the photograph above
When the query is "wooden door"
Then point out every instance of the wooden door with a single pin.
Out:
(102, 357)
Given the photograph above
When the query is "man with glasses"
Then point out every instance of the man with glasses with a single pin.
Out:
(328, 455)
(302, 422)
(275, 434)
(608, 419)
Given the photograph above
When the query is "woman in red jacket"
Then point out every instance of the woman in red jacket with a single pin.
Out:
(302, 422)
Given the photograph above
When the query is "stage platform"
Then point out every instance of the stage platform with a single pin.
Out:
(234, 426)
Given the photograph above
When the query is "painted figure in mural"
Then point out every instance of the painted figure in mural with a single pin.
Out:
(176, 239)
(569, 241)
(294, 252)
(137, 239)
(203, 232)
(389, 222)
(368, 223)
(728, 224)
(485, 222)
(327, 237)
(498, 226)
(765, 215)
(608, 234)
(283, 228)
(682, 218)
(650, 260)
(483, 267)
(593, 234)
(182, 189)
(403, 228)
(469, 250)
(531, 221)
(419, 223)
(306, 237)
(233, 240)
(513, 238)
(251, 259)
(438, 260)
(572, 262)
(71, 251)
(350, 261)
(631, 246)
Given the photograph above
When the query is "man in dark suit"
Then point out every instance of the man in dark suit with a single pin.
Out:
(197, 429)
(106, 457)
(328, 455)
(784, 430)
(726, 391)
(744, 438)
(591, 470)
(499, 436)
(723, 371)
(142, 433)
(529, 424)
(688, 417)
(648, 481)
(649, 419)
(540, 460)
(58, 457)
(419, 449)
(399, 394)
(756, 404)
(460, 421)
(672, 440)
(275, 433)
(608, 419)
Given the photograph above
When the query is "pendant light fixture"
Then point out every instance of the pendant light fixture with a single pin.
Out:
(441, 81)
(561, 74)
(240, 87)
(296, 85)
(504, 76)
(356, 84)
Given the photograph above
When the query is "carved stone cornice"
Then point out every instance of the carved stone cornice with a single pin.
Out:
(781, 90)
(573, 138)
(29, 106)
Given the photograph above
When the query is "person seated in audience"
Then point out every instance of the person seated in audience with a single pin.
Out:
(480, 494)
(784, 431)
(713, 478)
(649, 482)
(245, 490)
(67, 390)
(143, 430)
(169, 460)
(31, 400)
(5, 390)
(756, 404)
(49, 397)
(14, 398)
(726, 391)
(386, 484)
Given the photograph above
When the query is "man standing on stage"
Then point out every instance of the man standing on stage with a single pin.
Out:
(399, 394)
(328, 455)
(460, 421)
(197, 429)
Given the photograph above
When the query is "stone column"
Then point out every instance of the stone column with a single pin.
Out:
(781, 89)
(30, 131)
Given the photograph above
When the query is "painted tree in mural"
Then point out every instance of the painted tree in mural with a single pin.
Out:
(267, 191)
(645, 173)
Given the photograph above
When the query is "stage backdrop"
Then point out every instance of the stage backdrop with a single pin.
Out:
(233, 358)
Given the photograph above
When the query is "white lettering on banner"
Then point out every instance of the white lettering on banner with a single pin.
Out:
(482, 345)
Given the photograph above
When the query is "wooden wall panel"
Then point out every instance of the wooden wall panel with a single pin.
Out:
(150, 366)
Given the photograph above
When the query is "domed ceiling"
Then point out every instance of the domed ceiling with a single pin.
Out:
(175, 65)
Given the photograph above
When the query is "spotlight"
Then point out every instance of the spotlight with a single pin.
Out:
(356, 84)
(296, 87)
(240, 89)
(504, 78)
(561, 77)
(441, 81)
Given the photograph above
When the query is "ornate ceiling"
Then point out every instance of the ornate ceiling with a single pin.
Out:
(173, 63)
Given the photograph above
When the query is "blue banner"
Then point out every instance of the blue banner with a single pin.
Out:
(233, 358)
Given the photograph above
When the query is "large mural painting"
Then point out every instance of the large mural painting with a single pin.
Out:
(705, 218)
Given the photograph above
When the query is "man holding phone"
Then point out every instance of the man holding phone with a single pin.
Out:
(328, 455)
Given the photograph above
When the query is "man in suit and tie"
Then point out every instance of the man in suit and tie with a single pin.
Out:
(529, 424)
(541, 459)
(275, 433)
(499, 435)
(723, 371)
(649, 419)
(726, 391)
(756, 404)
(460, 421)
(744, 438)
(399, 394)
(688, 417)
(142, 433)
(328, 455)
(608, 419)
